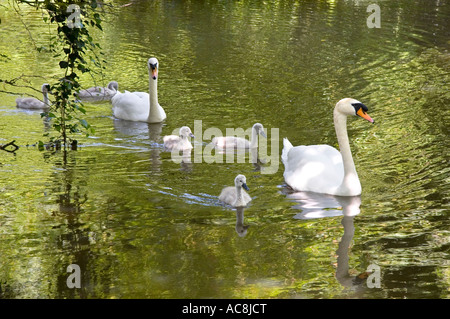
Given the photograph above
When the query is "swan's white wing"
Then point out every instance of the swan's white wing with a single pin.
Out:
(228, 195)
(142, 95)
(171, 141)
(246, 197)
(30, 103)
(313, 168)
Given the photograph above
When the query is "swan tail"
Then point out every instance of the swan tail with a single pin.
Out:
(286, 148)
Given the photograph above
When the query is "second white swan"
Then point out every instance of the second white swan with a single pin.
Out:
(140, 106)
(322, 168)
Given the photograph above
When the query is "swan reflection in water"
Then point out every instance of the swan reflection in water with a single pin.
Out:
(183, 157)
(313, 206)
(132, 132)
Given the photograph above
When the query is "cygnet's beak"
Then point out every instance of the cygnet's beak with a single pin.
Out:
(191, 135)
(263, 134)
(245, 186)
(364, 115)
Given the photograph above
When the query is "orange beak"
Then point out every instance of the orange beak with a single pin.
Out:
(364, 115)
(154, 73)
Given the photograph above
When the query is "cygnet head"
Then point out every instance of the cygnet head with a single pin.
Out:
(113, 85)
(241, 181)
(185, 131)
(349, 106)
(45, 87)
(153, 66)
(259, 129)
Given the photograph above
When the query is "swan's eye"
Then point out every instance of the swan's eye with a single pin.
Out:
(361, 110)
(359, 106)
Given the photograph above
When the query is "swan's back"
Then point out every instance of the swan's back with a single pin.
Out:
(99, 93)
(92, 92)
(131, 106)
(174, 142)
(171, 141)
(313, 168)
(230, 142)
(30, 103)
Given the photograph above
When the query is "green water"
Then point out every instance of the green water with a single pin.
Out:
(141, 226)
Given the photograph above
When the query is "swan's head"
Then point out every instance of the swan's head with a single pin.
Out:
(185, 131)
(259, 128)
(241, 181)
(45, 87)
(113, 85)
(350, 106)
(153, 65)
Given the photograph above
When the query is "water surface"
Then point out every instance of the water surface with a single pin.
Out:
(141, 226)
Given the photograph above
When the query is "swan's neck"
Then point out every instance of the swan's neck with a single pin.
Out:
(46, 102)
(238, 195)
(342, 270)
(350, 184)
(153, 96)
(184, 143)
(183, 139)
(254, 140)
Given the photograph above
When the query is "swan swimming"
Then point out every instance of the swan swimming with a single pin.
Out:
(33, 103)
(322, 168)
(140, 106)
(236, 196)
(227, 142)
(99, 93)
(180, 142)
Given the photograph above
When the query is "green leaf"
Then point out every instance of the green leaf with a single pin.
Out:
(63, 64)
(40, 146)
(84, 123)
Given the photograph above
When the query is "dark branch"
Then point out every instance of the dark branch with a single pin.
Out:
(7, 147)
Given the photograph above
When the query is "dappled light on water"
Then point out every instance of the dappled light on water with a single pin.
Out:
(141, 225)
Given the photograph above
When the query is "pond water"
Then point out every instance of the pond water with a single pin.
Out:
(140, 225)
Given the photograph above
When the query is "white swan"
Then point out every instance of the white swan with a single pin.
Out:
(140, 106)
(33, 103)
(99, 93)
(322, 168)
(179, 143)
(227, 142)
(236, 196)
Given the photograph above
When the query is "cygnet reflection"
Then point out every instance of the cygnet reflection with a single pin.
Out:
(241, 229)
